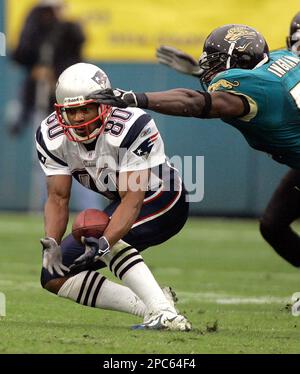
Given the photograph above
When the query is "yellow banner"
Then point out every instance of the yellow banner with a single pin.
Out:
(130, 30)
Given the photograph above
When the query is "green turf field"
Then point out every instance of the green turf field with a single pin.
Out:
(230, 284)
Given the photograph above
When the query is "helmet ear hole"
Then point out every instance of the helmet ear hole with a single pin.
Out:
(243, 62)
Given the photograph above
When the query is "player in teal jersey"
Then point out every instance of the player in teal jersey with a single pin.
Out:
(284, 206)
(272, 94)
(258, 93)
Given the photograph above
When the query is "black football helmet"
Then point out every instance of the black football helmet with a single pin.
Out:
(232, 46)
(293, 40)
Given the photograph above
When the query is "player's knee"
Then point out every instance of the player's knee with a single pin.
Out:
(268, 228)
(43, 279)
(265, 227)
(54, 285)
(51, 285)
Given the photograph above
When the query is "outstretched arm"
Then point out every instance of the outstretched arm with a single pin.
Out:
(189, 103)
(177, 102)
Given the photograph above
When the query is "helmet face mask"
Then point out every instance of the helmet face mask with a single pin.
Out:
(231, 46)
(73, 86)
(70, 129)
(211, 65)
(293, 40)
(295, 48)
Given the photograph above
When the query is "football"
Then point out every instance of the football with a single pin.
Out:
(89, 222)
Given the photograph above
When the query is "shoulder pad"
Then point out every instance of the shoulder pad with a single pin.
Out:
(125, 123)
(229, 79)
(281, 52)
(52, 133)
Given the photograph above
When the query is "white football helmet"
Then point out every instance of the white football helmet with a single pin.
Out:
(72, 88)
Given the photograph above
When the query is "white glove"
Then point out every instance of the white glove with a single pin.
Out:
(52, 258)
(178, 60)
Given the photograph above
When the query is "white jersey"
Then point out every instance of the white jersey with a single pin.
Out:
(130, 141)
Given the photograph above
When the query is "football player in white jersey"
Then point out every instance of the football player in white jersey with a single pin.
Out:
(120, 154)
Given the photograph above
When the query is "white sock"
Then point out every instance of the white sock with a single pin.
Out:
(93, 289)
(141, 281)
(127, 264)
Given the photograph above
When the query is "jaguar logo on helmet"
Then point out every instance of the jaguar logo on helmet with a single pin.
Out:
(238, 32)
(242, 48)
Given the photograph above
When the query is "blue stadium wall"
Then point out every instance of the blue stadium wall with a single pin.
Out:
(237, 180)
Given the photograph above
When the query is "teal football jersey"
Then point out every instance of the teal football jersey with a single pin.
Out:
(273, 93)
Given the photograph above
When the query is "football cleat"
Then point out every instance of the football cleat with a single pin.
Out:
(165, 320)
(296, 304)
(170, 295)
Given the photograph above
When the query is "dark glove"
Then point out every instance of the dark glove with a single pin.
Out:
(178, 60)
(95, 249)
(119, 98)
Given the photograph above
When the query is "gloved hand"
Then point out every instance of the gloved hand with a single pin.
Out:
(178, 60)
(52, 258)
(114, 97)
(96, 248)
